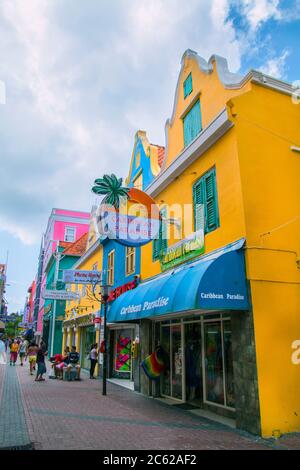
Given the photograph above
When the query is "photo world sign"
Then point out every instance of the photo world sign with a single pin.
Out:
(81, 277)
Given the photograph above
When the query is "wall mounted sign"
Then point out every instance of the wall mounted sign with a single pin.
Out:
(115, 293)
(71, 276)
(183, 251)
(59, 295)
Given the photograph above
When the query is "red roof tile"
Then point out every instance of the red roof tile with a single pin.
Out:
(160, 154)
(78, 247)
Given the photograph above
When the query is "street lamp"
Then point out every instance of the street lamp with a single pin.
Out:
(104, 299)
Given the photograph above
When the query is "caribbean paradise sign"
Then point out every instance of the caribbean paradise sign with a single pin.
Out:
(185, 250)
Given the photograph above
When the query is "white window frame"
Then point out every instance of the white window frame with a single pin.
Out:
(111, 268)
(68, 227)
(130, 260)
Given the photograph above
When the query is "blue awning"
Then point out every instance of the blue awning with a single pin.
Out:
(214, 282)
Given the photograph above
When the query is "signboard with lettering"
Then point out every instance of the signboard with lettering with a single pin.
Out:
(183, 251)
(71, 276)
(59, 295)
(115, 293)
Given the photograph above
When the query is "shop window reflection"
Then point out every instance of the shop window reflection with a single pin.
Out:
(214, 363)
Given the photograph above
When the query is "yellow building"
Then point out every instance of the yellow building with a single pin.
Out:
(231, 170)
(79, 326)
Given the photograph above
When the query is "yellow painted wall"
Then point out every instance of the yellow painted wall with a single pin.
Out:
(267, 124)
(259, 198)
(224, 156)
(213, 98)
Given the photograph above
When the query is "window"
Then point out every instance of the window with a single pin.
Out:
(70, 234)
(130, 260)
(138, 160)
(205, 192)
(160, 244)
(192, 123)
(138, 182)
(188, 86)
(110, 268)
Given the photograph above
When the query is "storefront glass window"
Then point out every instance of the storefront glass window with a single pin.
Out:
(166, 377)
(176, 362)
(88, 336)
(123, 350)
(214, 363)
(193, 362)
(228, 364)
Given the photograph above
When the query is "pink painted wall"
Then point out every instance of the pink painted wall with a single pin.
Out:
(82, 215)
(56, 232)
(59, 229)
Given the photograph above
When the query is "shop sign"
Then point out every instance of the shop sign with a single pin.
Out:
(71, 276)
(128, 215)
(183, 251)
(59, 295)
(115, 293)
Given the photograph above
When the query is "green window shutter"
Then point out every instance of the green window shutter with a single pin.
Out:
(211, 208)
(205, 192)
(198, 205)
(161, 243)
(188, 86)
(163, 232)
(155, 249)
(192, 124)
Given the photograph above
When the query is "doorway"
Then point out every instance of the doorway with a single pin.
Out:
(193, 363)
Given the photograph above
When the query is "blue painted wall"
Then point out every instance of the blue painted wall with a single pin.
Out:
(143, 166)
(120, 277)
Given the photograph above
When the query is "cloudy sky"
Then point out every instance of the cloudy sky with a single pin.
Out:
(82, 76)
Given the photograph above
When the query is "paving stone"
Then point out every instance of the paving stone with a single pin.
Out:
(12, 417)
(75, 415)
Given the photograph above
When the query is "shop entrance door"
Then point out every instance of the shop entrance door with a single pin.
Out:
(193, 363)
(172, 379)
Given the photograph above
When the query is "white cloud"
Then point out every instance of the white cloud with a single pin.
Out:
(276, 66)
(260, 11)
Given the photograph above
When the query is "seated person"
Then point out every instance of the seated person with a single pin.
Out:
(73, 362)
(56, 359)
(62, 363)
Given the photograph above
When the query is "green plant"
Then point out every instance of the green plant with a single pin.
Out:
(112, 188)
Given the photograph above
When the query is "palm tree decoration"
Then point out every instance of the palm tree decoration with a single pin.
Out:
(112, 188)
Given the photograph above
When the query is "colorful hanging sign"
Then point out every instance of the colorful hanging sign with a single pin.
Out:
(185, 250)
(155, 364)
(127, 215)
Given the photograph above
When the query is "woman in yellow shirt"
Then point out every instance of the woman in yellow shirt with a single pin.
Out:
(14, 349)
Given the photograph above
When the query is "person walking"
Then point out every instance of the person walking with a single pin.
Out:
(2, 352)
(22, 351)
(14, 349)
(41, 366)
(93, 359)
(32, 356)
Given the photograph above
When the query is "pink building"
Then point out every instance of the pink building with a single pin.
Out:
(63, 228)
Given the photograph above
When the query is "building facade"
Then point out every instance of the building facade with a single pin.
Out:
(63, 226)
(220, 292)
